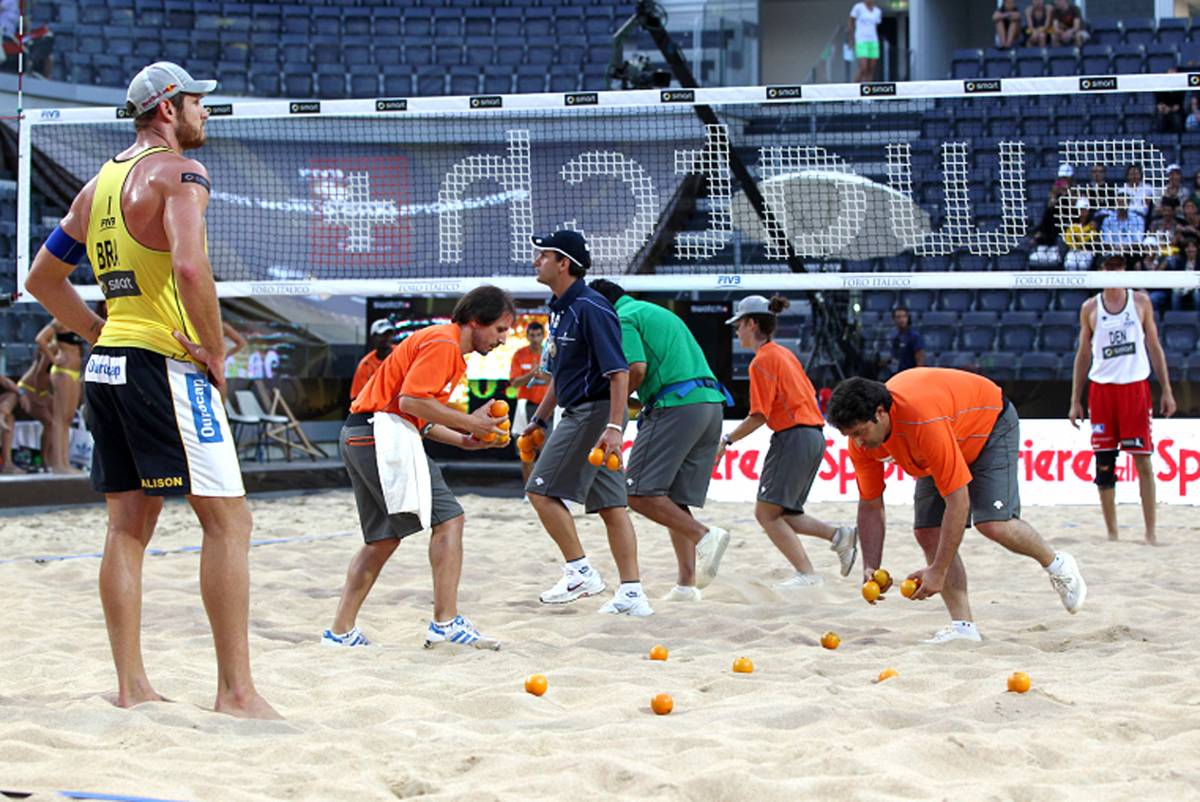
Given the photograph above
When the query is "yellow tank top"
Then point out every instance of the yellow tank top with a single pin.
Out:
(138, 282)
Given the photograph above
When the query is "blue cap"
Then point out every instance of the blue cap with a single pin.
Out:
(570, 244)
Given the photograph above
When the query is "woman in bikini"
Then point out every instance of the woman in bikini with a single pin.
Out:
(64, 348)
(32, 397)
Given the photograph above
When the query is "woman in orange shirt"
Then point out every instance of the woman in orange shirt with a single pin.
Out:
(782, 397)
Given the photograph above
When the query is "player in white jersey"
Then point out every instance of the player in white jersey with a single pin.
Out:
(1118, 342)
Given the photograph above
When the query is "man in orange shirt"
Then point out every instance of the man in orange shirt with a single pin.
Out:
(528, 375)
(411, 389)
(957, 433)
(381, 345)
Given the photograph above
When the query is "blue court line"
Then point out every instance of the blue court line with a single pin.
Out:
(112, 797)
(56, 558)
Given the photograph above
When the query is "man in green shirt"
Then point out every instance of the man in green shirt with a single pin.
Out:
(679, 429)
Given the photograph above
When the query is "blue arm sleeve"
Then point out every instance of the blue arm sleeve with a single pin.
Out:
(63, 247)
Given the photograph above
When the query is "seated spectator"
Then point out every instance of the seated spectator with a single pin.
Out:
(1161, 232)
(1168, 110)
(1189, 226)
(1008, 24)
(37, 43)
(1137, 192)
(1192, 122)
(1098, 191)
(1195, 188)
(1174, 188)
(1188, 259)
(1044, 241)
(1121, 230)
(1037, 24)
(1066, 25)
(1080, 237)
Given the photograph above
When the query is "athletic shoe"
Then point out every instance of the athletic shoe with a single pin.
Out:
(799, 580)
(684, 593)
(573, 585)
(1069, 583)
(459, 632)
(628, 602)
(845, 543)
(354, 637)
(951, 633)
(709, 552)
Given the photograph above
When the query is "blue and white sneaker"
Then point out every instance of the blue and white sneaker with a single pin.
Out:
(628, 602)
(354, 637)
(459, 632)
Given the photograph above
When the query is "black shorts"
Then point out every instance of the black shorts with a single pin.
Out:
(159, 427)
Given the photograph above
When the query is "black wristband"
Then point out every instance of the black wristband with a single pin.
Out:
(537, 421)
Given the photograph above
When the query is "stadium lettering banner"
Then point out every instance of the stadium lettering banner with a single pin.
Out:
(1055, 467)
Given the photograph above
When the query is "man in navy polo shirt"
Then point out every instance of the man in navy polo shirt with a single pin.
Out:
(591, 383)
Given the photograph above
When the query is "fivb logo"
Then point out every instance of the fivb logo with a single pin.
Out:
(729, 280)
(1098, 84)
(487, 102)
(208, 428)
(50, 114)
(784, 92)
(989, 85)
(581, 99)
(677, 96)
(877, 90)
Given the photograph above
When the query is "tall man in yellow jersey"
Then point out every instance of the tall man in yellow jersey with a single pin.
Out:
(156, 375)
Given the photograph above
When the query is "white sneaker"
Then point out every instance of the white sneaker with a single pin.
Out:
(684, 593)
(1069, 583)
(459, 632)
(709, 552)
(799, 580)
(845, 543)
(354, 637)
(953, 632)
(573, 585)
(628, 602)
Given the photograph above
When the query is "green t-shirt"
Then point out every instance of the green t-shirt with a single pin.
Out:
(655, 335)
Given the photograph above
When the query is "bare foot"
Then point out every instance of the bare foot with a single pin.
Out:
(245, 706)
(1151, 539)
(1112, 536)
(9, 468)
(134, 697)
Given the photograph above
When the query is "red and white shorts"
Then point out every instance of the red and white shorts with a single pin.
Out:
(1120, 416)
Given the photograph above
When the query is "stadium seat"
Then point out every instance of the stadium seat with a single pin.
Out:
(1191, 368)
(477, 22)
(977, 331)
(955, 300)
(265, 83)
(917, 300)
(387, 24)
(1018, 331)
(298, 84)
(998, 366)
(1095, 59)
(1180, 331)
(938, 330)
(448, 52)
(1160, 58)
(966, 64)
(364, 82)
(464, 80)
(1128, 59)
(1071, 299)
(387, 56)
(880, 301)
(1138, 30)
(430, 80)
(1172, 31)
(999, 64)
(1059, 331)
(356, 21)
(497, 79)
(397, 84)
(1035, 300)
(1107, 32)
(418, 24)
(1031, 62)
(1038, 367)
(530, 78)
(993, 300)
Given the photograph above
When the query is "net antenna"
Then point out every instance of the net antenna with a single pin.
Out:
(651, 17)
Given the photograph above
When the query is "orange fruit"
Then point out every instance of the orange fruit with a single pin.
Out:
(524, 443)
(539, 437)
(662, 704)
(596, 457)
(504, 424)
(535, 684)
(883, 579)
(499, 407)
(743, 665)
(1018, 682)
(887, 673)
(658, 652)
(505, 440)
(830, 640)
(527, 456)
(908, 587)
(870, 590)
(489, 437)
(614, 461)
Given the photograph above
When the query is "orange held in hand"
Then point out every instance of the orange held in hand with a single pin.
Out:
(908, 587)
(596, 457)
(883, 579)
(524, 443)
(870, 590)
(535, 684)
(539, 437)
(489, 437)
(662, 704)
(743, 665)
(1019, 682)
(614, 461)
(887, 673)
(499, 407)
(527, 456)
(658, 652)
(504, 424)
(505, 440)
(830, 640)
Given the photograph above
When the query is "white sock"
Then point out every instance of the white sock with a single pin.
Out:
(632, 586)
(1055, 565)
(966, 627)
(580, 566)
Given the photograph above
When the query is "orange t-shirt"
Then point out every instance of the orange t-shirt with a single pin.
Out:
(363, 373)
(780, 390)
(429, 364)
(523, 361)
(941, 419)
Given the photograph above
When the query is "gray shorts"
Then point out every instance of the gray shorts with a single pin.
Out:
(791, 466)
(993, 489)
(674, 452)
(357, 447)
(562, 469)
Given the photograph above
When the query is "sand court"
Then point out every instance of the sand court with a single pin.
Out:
(1113, 714)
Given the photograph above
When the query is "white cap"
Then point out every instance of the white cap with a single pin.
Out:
(160, 81)
(1065, 171)
(1172, 168)
(382, 326)
(750, 305)
(1082, 203)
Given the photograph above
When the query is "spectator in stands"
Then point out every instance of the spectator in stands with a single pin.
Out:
(1168, 110)
(1098, 191)
(1121, 230)
(1188, 259)
(1162, 232)
(1174, 189)
(1008, 24)
(863, 35)
(1138, 193)
(1045, 237)
(908, 349)
(37, 43)
(1195, 188)
(1079, 237)
(1037, 24)
(382, 331)
(1189, 226)
(1192, 122)
(1066, 25)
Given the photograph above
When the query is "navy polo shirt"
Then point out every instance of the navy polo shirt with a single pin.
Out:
(585, 339)
(905, 345)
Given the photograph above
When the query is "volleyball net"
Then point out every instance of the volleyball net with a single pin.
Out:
(926, 184)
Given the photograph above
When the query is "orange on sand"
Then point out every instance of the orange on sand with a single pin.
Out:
(883, 579)
(1019, 682)
(535, 684)
(870, 590)
(886, 674)
(539, 437)
(830, 640)
(499, 407)
(662, 704)
(596, 457)
(527, 456)
(908, 587)
(658, 652)
(743, 665)
(614, 461)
